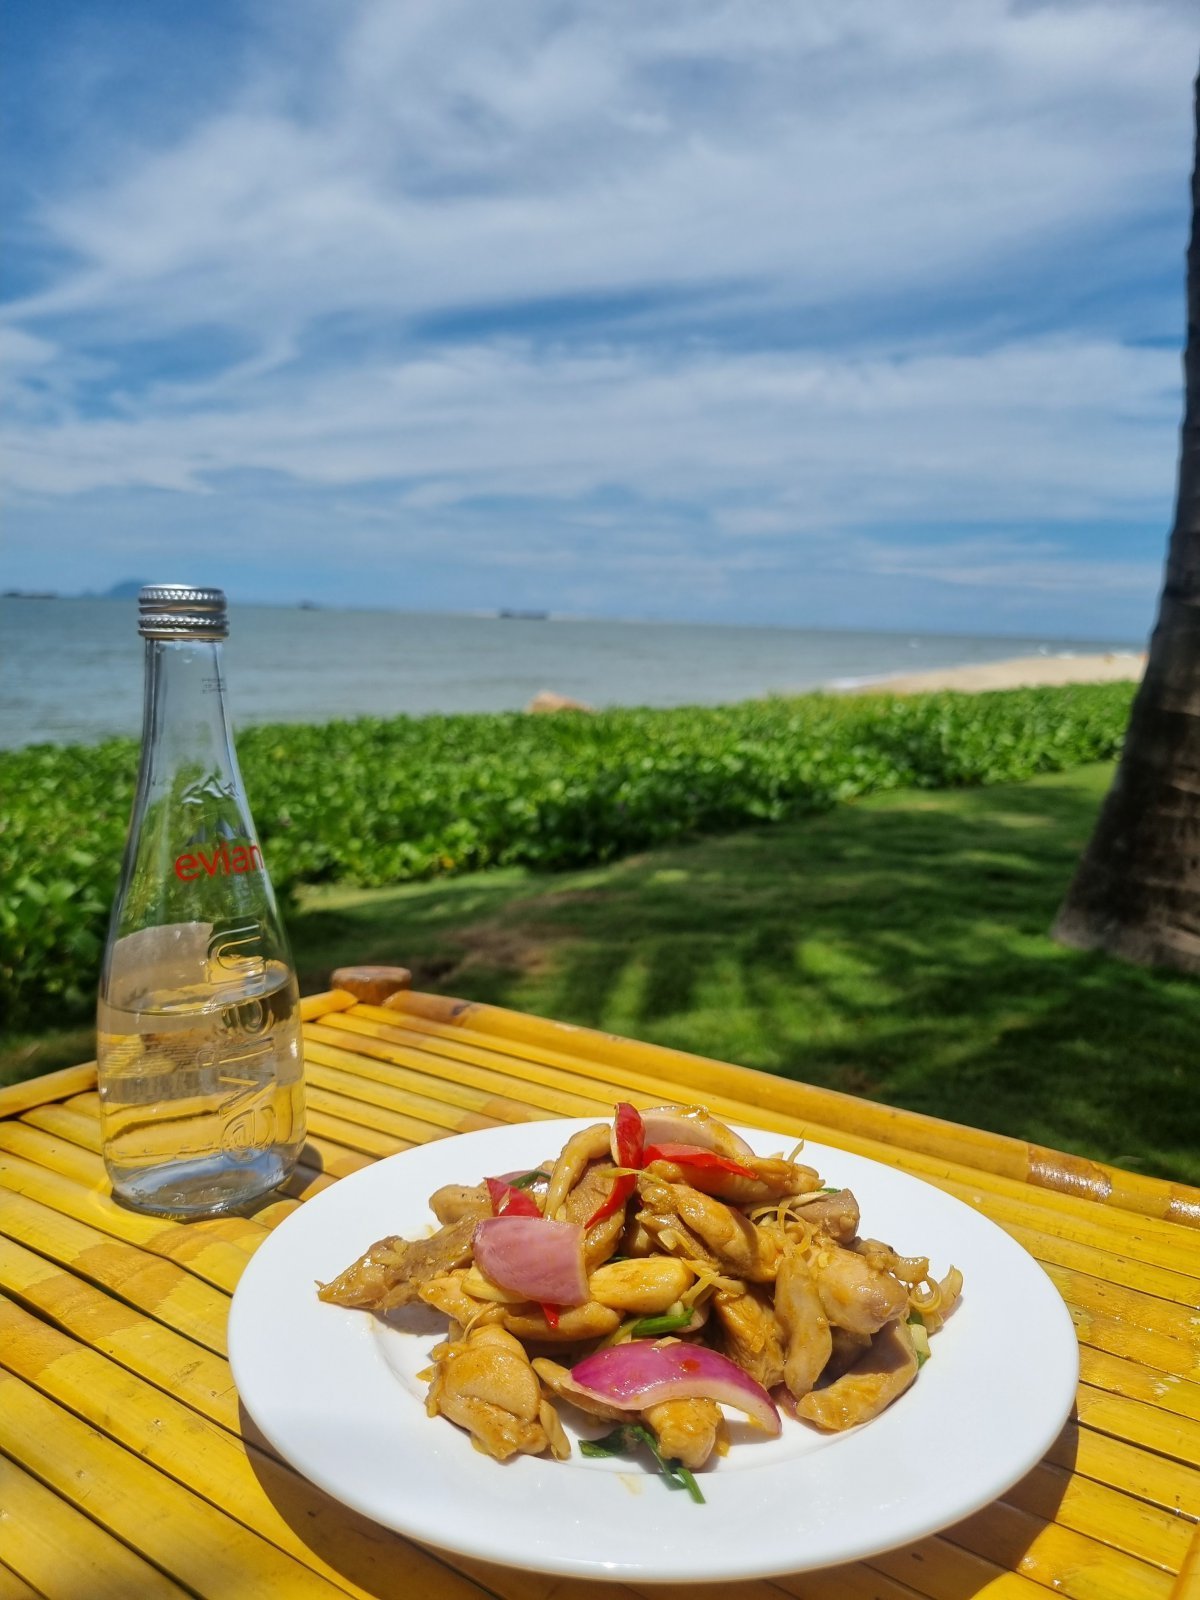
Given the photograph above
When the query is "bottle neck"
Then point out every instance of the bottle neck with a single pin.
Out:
(184, 720)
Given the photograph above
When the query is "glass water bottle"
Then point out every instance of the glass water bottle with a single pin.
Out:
(198, 1021)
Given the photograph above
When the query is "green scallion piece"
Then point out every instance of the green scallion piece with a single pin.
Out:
(528, 1179)
(656, 1327)
(626, 1438)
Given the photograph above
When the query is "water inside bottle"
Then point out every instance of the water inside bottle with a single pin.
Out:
(201, 1095)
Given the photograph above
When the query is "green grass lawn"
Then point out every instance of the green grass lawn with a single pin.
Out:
(895, 948)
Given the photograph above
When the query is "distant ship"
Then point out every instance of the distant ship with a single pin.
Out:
(524, 616)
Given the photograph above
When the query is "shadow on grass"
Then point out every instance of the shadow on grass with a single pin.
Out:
(897, 948)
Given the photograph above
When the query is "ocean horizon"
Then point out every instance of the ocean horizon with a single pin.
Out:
(71, 669)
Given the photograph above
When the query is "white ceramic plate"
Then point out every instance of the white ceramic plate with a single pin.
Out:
(337, 1393)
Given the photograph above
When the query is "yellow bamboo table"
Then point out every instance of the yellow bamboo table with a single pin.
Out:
(126, 1470)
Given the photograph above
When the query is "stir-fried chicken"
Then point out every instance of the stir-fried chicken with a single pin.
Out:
(455, 1201)
(751, 1333)
(485, 1383)
(727, 1239)
(591, 1144)
(771, 1179)
(881, 1376)
(686, 1430)
(393, 1270)
(799, 1298)
(856, 1296)
(802, 1317)
(448, 1294)
(583, 1201)
(835, 1215)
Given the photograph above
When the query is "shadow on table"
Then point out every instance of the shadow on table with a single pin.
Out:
(955, 1565)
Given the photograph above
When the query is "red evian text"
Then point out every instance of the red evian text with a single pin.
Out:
(242, 858)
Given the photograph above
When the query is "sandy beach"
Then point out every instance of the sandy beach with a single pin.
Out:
(1021, 672)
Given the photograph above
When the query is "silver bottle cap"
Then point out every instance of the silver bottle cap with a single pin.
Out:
(179, 611)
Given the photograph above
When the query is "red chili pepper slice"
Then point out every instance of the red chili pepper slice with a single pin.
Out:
(630, 1134)
(551, 1314)
(690, 1155)
(623, 1186)
(509, 1201)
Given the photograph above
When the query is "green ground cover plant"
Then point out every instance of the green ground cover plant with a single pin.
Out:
(895, 948)
(374, 802)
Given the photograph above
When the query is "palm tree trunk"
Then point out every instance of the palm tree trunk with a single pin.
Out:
(1136, 892)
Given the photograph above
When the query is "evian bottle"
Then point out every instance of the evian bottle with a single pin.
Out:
(198, 1022)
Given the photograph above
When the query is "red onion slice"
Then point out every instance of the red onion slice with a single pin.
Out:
(642, 1373)
(533, 1256)
(674, 1125)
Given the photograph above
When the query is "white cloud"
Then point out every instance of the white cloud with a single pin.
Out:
(806, 171)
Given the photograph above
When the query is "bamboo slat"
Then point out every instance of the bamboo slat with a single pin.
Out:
(202, 1247)
(119, 1419)
(165, 1523)
(61, 1553)
(1156, 1536)
(253, 1491)
(50, 1086)
(68, 1122)
(14, 1588)
(175, 1364)
(160, 1288)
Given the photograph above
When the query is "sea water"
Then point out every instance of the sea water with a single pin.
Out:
(71, 670)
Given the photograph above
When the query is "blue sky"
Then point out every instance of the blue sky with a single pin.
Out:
(835, 314)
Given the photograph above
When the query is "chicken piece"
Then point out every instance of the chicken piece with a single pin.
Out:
(909, 1269)
(771, 1180)
(648, 1287)
(455, 1201)
(847, 1349)
(449, 1295)
(590, 1144)
(836, 1215)
(637, 1240)
(584, 1200)
(485, 1384)
(729, 1240)
(881, 1376)
(751, 1333)
(808, 1342)
(574, 1325)
(392, 1271)
(686, 1430)
(856, 1296)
